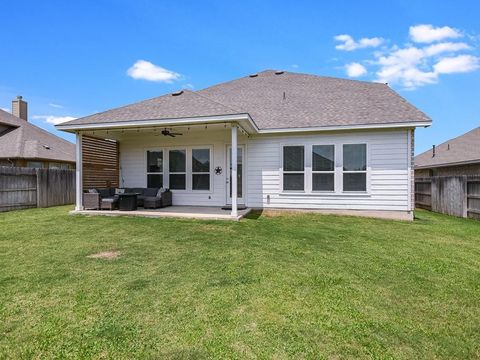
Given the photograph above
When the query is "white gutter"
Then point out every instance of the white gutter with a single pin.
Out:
(157, 122)
(347, 127)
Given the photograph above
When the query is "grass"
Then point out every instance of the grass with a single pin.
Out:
(302, 286)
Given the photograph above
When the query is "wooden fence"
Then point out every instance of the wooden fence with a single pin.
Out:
(452, 195)
(22, 188)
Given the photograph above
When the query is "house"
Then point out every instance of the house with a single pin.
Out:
(23, 144)
(275, 139)
(457, 156)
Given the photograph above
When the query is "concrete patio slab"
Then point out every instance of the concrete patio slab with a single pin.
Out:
(190, 212)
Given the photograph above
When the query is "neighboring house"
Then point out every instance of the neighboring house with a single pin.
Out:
(23, 144)
(458, 156)
(301, 142)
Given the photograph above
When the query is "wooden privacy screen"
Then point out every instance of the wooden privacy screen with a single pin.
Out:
(100, 163)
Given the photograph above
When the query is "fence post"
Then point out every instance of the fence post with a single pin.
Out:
(42, 188)
(38, 187)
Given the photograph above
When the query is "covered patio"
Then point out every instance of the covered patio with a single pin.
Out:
(202, 161)
(175, 211)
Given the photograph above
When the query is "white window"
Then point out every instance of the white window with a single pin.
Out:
(155, 169)
(177, 166)
(354, 167)
(293, 168)
(323, 168)
(200, 169)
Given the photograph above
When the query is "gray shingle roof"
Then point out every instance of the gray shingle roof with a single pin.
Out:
(184, 105)
(462, 149)
(25, 140)
(312, 101)
(286, 100)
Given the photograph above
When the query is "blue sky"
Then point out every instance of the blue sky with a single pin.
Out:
(73, 58)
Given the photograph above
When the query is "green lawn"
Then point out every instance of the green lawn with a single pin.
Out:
(303, 286)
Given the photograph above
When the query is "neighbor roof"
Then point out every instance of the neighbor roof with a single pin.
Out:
(277, 100)
(21, 139)
(460, 150)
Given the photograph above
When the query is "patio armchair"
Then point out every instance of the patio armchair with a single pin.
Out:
(91, 200)
(162, 199)
(95, 199)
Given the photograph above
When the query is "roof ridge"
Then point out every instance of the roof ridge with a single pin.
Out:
(222, 83)
(215, 101)
(298, 73)
(405, 101)
(20, 142)
(326, 77)
(373, 83)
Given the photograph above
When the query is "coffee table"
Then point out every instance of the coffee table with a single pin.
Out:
(127, 201)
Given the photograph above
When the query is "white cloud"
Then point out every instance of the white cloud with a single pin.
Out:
(188, 86)
(427, 33)
(414, 65)
(295, 66)
(52, 119)
(457, 64)
(355, 69)
(400, 66)
(349, 44)
(56, 106)
(145, 70)
(445, 47)
(5, 109)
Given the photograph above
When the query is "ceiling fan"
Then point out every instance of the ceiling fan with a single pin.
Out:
(167, 132)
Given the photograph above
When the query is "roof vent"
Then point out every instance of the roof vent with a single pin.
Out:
(177, 93)
(46, 147)
(279, 72)
(253, 75)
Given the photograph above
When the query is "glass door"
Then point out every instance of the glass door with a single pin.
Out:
(240, 174)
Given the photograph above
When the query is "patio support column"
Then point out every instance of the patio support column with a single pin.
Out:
(234, 171)
(79, 173)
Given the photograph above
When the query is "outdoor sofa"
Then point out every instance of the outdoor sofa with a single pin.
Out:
(107, 199)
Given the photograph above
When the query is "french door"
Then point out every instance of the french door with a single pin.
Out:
(240, 174)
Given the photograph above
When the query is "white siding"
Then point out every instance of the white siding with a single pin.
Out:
(387, 179)
(387, 160)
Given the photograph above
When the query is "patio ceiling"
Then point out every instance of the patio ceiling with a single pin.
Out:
(128, 133)
(242, 120)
